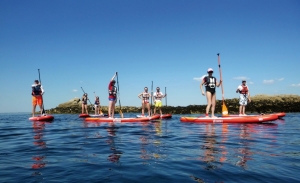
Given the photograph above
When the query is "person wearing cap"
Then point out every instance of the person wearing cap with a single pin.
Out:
(37, 92)
(112, 96)
(84, 100)
(210, 83)
(157, 96)
(144, 96)
(243, 89)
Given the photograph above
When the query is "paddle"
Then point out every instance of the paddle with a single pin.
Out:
(43, 111)
(88, 100)
(151, 99)
(224, 108)
(121, 114)
(100, 110)
(166, 96)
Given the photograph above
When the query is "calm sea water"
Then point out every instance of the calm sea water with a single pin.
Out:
(71, 150)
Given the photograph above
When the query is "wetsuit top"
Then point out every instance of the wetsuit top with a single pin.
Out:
(210, 83)
(243, 89)
(158, 96)
(112, 91)
(37, 89)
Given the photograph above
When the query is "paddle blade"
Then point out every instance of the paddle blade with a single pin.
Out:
(121, 114)
(43, 111)
(224, 109)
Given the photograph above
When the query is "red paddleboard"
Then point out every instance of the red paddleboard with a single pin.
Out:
(103, 119)
(84, 115)
(240, 119)
(42, 118)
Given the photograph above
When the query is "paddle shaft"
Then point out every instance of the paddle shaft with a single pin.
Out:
(166, 96)
(151, 98)
(221, 76)
(119, 95)
(43, 111)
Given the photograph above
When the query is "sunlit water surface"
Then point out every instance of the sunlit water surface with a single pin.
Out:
(71, 150)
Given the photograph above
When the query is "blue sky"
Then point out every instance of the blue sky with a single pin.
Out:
(170, 42)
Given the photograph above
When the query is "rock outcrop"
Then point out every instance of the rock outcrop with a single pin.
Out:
(259, 104)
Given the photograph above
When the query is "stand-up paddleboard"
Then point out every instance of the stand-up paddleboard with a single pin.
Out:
(164, 116)
(98, 115)
(84, 115)
(122, 119)
(279, 115)
(240, 119)
(42, 118)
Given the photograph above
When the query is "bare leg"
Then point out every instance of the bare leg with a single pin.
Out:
(148, 107)
(82, 108)
(33, 110)
(213, 105)
(113, 108)
(86, 109)
(244, 109)
(143, 108)
(41, 109)
(241, 108)
(208, 97)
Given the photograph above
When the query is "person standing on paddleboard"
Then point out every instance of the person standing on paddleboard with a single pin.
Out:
(37, 92)
(144, 96)
(210, 83)
(112, 97)
(244, 97)
(157, 96)
(97, 105)
(84, 100)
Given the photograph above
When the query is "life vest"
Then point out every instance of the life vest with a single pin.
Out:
(113, 91)
(145, 96)
(36, 90)
(97, 102)
(210, 82)
(84, 99)
(158, 96)
(244, 89)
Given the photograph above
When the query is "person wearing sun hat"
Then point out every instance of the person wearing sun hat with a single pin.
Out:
(210, 83)
(244, 97)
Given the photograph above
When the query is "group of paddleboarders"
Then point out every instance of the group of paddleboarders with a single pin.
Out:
(210, 83)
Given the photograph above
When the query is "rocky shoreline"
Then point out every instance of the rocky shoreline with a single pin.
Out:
(259, 104)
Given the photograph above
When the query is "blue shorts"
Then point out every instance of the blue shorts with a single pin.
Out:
(112, 99)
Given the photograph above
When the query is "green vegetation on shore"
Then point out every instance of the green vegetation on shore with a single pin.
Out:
(259, 104)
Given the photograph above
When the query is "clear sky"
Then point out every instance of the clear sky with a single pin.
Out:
(82, 43)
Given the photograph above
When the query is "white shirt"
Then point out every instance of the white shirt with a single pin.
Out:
(158, 98)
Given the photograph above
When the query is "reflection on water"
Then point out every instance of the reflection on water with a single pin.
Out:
(115, 155)
(215, 147)
(38, 129)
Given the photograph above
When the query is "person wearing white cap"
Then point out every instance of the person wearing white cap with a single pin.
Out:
(244, 97)
(210, 83)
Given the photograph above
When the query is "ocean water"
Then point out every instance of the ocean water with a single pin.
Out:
(70, 150)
